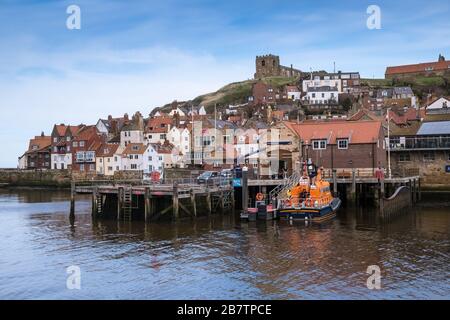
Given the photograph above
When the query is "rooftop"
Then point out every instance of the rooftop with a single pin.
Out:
(435, 128)
(355, 131)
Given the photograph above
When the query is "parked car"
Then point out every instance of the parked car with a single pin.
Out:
(207, 177)
(226, 173)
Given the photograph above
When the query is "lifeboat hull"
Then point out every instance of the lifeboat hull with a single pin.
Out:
(312, 214)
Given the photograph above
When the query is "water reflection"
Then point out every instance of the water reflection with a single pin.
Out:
(218, 257)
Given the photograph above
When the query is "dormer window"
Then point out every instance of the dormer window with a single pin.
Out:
(319, 144)
(342, 144)
(135, 148)
(429, 69)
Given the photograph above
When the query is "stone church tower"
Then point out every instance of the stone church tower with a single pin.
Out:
(269, 66)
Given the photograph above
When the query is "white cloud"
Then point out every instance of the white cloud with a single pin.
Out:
(35, 102)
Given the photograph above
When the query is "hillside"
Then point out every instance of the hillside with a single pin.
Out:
(233, 93)
(421, 85)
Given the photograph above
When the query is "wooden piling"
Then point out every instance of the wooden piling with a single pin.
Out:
(222, 202)
(148, 204)
(208, 202)
(353, 191)
(244, 190)
(72, 200)
(233, 204)
(419, 190)
(175, 203)
(119, 202)
(94, 202)
(335, 186)
(193, 204)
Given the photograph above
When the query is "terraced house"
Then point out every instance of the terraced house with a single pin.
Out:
(38, 154)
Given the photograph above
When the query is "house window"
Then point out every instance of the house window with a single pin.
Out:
(55, 140)
(115, 159)
(81, 167)
(403, 157)
(101, 160)
(319, 144)
(117, 168)
(343, 144)
(91, 167)
(81, 143)
(149, 158)
(130, 156)
(133, 166)
(75, 144)
(162, 137)
(428, 156)
(160, 158)
(136, 156)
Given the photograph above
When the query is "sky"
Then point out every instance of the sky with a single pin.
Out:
(136, 55)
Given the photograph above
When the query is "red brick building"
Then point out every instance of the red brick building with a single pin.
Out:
(440, 67)
(262, 93)
(342, 144)
(84, 146)
(61, 150)
(38, 153)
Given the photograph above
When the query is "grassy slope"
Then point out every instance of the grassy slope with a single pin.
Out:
(234, 93)
(421, 85)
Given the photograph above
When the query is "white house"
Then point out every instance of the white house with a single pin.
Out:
(441, 105)
(161, 156)
(180, 137)
(293, 93)
(23, 161)
(131, 134)
(181, 112)
(157, 129)
(107, 160)
(321, 82)
(322, 95)
(133, 157)
(197, 111)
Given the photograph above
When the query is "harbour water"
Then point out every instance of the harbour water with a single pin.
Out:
(219, 257)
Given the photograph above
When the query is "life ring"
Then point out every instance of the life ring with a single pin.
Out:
(259, 197)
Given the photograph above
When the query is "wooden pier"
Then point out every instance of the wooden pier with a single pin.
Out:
(184, 198)
(137, 200)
